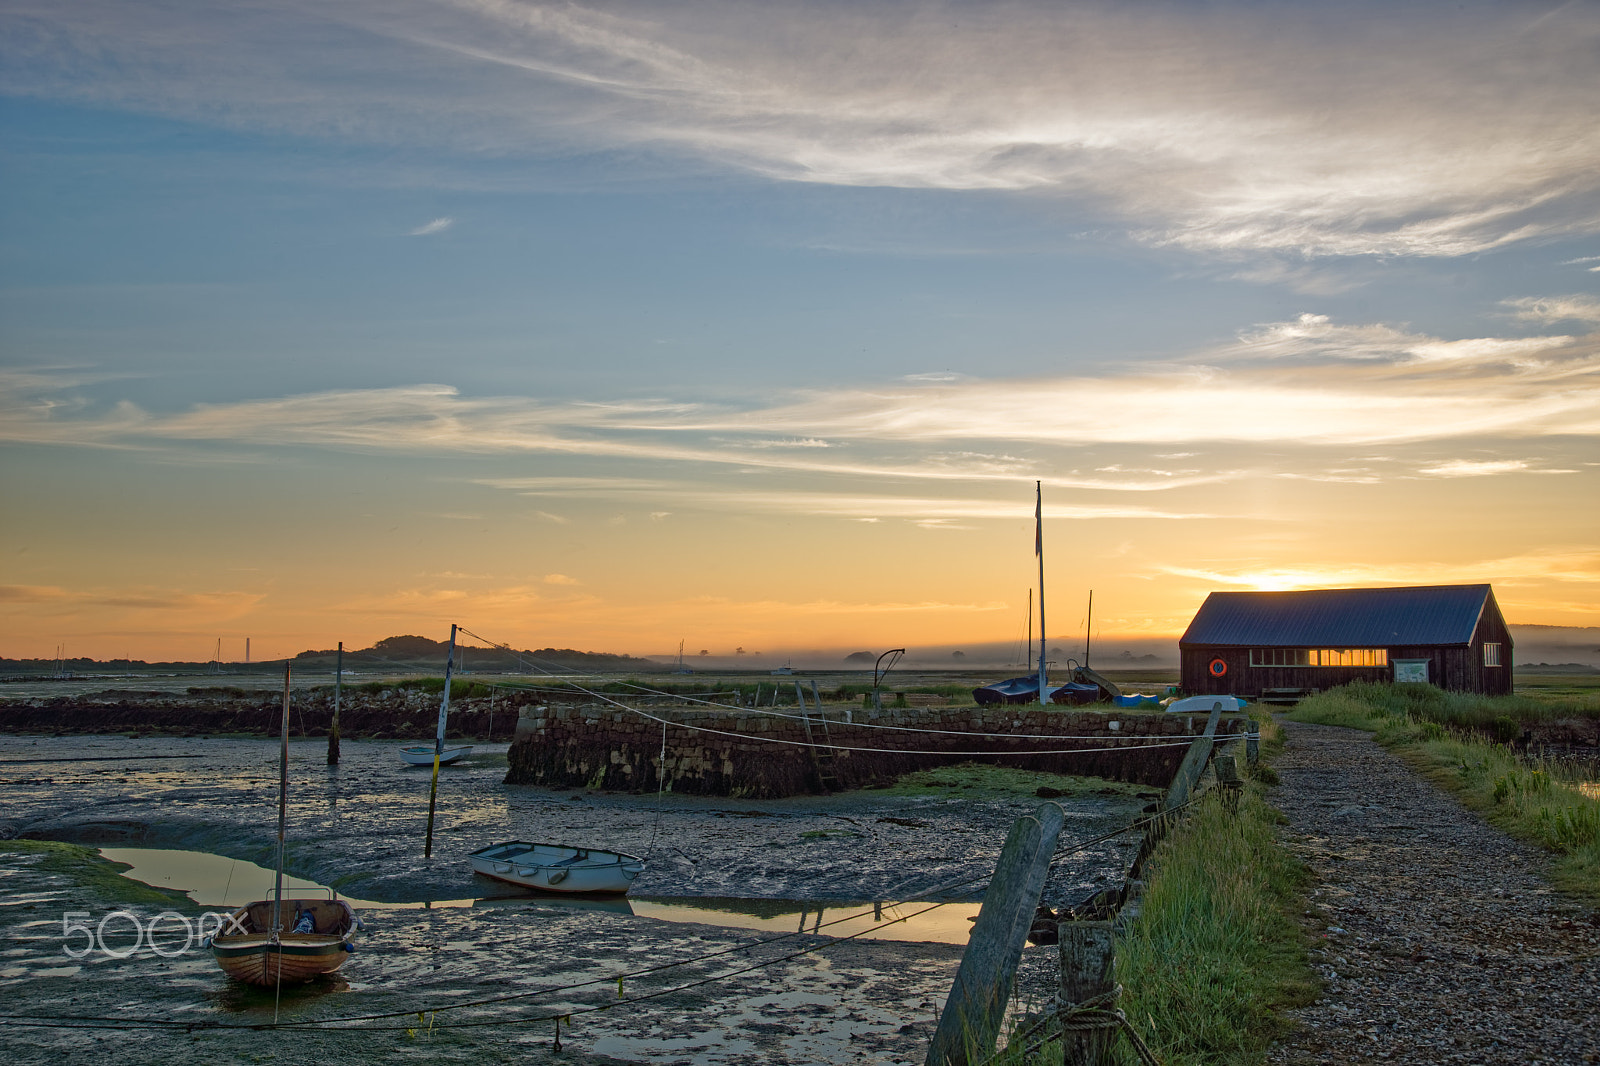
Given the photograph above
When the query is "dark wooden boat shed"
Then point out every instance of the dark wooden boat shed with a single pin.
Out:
(1260, 643)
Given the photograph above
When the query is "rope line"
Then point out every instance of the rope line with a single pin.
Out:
(797, 717)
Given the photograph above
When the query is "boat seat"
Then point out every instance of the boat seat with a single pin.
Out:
(568, 862)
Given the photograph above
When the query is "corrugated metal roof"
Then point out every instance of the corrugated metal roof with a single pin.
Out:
(1340, 618)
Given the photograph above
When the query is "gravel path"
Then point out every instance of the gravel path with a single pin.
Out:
(1442, 942)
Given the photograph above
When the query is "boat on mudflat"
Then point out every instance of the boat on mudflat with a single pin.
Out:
(317, 941)
(422, 754)
(558, 867)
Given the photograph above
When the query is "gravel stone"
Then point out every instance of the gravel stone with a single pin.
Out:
(1438, 940)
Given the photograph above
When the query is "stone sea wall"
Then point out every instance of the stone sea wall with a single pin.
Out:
(610, 748)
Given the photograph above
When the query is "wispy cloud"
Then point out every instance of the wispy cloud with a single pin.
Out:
(438, 225)
(1573, 566)
(1414, 130)
(1476, 468)
(1547, 310)
(1306, 381)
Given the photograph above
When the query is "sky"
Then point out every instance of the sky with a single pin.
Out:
(755, 325)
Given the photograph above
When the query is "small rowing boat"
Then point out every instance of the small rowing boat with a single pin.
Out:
(422, 754)
(557, 867)
(282, 941)
(312, 939)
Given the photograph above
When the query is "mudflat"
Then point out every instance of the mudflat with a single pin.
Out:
(358, 827)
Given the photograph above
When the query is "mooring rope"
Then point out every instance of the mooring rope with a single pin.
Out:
(1096, 1014)
(780, 714)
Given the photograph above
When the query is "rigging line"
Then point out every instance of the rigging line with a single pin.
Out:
(1061, 850)
(859, 725)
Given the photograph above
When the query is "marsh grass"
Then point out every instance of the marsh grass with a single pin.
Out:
(1456, 741)
(1217, 952)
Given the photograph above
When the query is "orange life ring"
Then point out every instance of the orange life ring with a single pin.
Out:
(1218, 668)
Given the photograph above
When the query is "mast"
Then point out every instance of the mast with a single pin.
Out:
(1027, 648)
(283, 808)
(1088, 630)
(1038, 549)
(438, 740)
(338, 687)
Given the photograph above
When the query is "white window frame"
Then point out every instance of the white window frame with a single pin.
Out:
(1491, 654)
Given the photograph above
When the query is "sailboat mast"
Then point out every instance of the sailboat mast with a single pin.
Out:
(1088, 630)
(438, 740)
(1027, 649)
(283, 806)
(1038, 549)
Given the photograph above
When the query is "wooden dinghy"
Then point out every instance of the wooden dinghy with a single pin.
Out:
(422, 754)
(558, 867)
(249, 950)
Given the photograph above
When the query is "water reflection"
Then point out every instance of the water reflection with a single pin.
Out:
(219, 881)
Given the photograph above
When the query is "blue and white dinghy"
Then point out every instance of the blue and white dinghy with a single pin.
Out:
(558, 868)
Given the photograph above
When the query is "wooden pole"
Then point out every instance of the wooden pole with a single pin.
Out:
(338, 688)
(1252, 746)
(283, 807)
(1194, 763)
(977, 1004)
(438, 740)
(1088, 972)
(1038, 549)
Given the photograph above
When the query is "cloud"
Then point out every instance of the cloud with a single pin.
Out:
(560, 579)
(1306, 381)
(1550, 309)
(1475, 468)
(1571, 566)
(1425, 129)
(438, 225)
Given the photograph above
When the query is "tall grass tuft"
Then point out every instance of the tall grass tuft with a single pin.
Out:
(1217, 950)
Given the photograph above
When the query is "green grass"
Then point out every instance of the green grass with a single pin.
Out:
(1457, 742)
(1217, 952)
(90, 873)
(978, 781)
(1371, 705)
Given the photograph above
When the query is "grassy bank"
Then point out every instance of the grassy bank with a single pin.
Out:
(1456, 740)
(1217, 952)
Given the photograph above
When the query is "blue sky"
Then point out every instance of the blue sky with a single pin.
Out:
(1228, 279)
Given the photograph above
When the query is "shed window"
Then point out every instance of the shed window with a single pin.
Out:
(1319, 656)
(1491, 655)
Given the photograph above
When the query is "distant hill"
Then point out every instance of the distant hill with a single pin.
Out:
(409, 649)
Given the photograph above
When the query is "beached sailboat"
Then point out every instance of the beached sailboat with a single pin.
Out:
(558, 867)
(282, 941)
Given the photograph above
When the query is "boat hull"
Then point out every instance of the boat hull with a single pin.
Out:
(423, 756)
(293, 960)
(559, 868)
(249, 952)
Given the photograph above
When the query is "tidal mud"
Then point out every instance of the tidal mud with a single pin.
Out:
(359, 827)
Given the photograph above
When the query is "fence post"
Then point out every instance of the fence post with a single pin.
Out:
(1194, 763)
(1088, 972)
(1252, 746)
(1228, 780)
(977, 1004)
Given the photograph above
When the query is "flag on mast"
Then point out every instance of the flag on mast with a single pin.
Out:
(1038, 519)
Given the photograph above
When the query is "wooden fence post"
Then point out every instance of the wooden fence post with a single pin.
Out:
(977, 1004)
(1252, 746)
(1088, 972)
(1194, 763)
(1228, 780)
